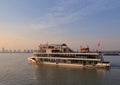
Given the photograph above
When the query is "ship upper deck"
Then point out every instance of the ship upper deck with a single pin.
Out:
(62, 49)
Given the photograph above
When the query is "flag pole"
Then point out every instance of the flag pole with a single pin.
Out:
(98, 46)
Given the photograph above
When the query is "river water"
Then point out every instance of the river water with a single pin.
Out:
(15, 70)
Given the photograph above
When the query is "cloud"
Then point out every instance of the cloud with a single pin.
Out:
(69, 11)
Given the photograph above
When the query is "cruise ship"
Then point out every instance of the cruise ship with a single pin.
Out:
(61, 54)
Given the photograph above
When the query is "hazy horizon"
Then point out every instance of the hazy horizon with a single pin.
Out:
(24, 24)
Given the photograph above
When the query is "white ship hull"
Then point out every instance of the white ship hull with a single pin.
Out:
(99, 65)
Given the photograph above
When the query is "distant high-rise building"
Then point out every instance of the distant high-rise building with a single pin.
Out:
(14, 51)
(19, 50)
(10, 51)
(24, 50)
(3, 50)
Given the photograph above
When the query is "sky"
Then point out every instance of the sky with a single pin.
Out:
(24, 24)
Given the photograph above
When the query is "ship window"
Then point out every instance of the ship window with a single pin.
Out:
(95, 62)
(41, 59)
(91, 56)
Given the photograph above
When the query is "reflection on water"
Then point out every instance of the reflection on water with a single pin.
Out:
(15, 70)
(57, 75)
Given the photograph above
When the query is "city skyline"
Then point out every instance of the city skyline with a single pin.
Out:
(5, 50)
(24, 24)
